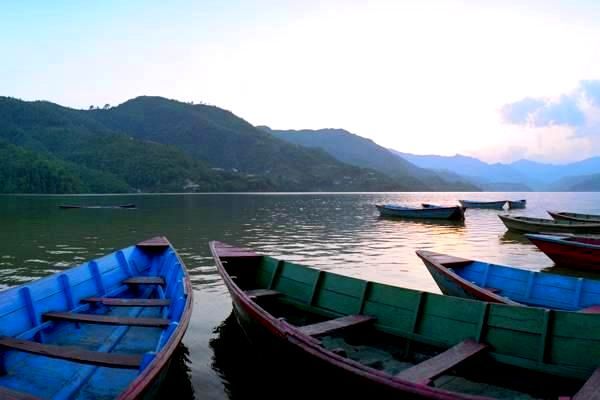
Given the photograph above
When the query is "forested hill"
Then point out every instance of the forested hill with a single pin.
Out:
(356, 150)
(153, 144)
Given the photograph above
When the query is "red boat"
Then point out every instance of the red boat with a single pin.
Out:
(569, 251)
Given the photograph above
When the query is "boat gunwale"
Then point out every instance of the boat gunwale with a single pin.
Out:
(547, 222)
(573, 216)
(561, 240)
(308, 344)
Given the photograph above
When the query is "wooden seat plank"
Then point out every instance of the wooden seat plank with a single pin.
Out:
(591, 389)
(106, 319)
(10, 394)
(424, 372)
(119, 302)
(595, 309)
(333, 325)
(155, 242)
(257, 293)
(145, 280)
(75, 354)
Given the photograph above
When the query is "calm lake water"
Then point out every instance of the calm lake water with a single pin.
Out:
(336, 232)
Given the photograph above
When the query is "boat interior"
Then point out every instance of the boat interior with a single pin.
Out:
(88, 332)
(444, 342)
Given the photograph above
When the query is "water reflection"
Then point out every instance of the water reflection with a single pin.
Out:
(510, 237)
(179, 377)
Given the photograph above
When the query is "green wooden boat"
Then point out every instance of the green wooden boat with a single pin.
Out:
(386, 341)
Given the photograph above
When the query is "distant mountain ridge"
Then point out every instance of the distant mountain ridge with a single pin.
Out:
(359, 151)
(575, 176)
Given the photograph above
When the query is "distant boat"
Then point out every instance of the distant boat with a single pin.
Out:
(104, 329)
(496, 205)
(569, 251)
(73, 206)
(571, 216)
(541, 225)
(508, 285)
(512, 204)
(380, 341)
(391, 210)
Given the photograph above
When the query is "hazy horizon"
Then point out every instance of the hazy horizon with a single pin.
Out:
(496, 80)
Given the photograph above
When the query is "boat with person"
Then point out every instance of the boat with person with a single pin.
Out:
(543, 225)
(77, 206)
(480, 280)
(104, 329)
(389, 342)
(397, 211)
(495, 205)
(516, 204)
(569, 251)
(571, 216)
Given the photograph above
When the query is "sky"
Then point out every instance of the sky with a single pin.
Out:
(499, 80)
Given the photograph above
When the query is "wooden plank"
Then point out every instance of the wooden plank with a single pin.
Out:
(595, 309)
(257, 293)
(424, 372)
(155, 242)
(106, 320)
(333, 325)
(118, 302)
(144, 280)
(10, 394)
(75, 354)
(591, 389)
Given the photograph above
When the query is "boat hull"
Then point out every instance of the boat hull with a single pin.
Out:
(95, 324)
(538, 225)
(509, 285)
(444, 213)
(493, 205)
(263, 288)
(567, 253)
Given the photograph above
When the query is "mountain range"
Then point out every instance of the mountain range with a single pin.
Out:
(152, 144)
(520, 175)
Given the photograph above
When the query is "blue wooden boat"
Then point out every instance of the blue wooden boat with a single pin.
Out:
(495, 205)
(392, 210)
(514, 204)
(103, 329)
(508, 285)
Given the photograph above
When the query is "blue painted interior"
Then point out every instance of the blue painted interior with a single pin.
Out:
(21, 310)
(533, 288)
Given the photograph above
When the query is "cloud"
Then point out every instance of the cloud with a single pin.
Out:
(591, 90)
(536, 112)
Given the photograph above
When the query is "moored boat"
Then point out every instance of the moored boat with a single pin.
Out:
(509, 285)
(495, 205)
(515, 204)
(103, 329)
(386, 341)
(571, 216)
(391, 210)
(539, 225)
(569, 251)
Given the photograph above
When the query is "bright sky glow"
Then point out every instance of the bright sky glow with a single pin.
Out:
(428, 77)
